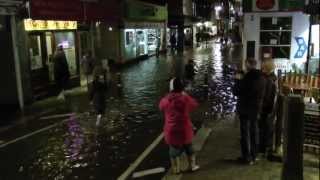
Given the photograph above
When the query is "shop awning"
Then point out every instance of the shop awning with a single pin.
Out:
(75, 10)
(56, 9)
(9, 7)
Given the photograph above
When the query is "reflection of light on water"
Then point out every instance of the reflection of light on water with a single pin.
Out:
(75, 139)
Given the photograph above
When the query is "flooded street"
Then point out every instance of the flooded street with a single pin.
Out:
(77, 149)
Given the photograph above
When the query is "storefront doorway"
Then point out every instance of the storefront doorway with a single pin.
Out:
(141, 42)
(42, 47)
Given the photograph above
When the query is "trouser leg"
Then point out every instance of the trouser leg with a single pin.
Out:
(262, 133)
(245, 137)
(254, 136)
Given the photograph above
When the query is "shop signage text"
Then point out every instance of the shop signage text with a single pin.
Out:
(43, 25)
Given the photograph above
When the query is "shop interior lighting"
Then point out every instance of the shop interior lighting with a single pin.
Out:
(199, 24)
(218, 8)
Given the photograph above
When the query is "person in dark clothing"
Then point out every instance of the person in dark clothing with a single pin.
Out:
(173, 41)
(61, 70)
(98, 94)
(250, 92)
(189, 74)
(267, 117)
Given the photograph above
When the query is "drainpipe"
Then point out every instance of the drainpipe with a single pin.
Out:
(17, 62)
(309, 43)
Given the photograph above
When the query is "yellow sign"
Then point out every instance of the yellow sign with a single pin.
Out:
(42, 25)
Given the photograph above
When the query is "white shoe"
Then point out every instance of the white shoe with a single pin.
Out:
(195, 168)
(61, 96)
(98, 120)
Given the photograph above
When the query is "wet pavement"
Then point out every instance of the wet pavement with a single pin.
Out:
(74, 148)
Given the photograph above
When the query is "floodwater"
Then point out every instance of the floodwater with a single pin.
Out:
(77, 149)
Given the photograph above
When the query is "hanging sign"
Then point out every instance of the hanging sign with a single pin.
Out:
(265, 5)
(56, 9)
(43, 25)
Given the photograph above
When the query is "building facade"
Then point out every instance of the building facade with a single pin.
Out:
(278, 30)
(34, 29)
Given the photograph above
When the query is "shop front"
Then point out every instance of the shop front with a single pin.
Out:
(71, 24)
(314, 62)
(43, 36)
(144, 31)
(142, 39)
(279, 31)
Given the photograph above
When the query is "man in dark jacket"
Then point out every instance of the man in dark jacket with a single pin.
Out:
(250, 92)
(268, 108)
(61, 70)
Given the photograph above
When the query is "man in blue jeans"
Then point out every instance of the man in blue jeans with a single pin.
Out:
(250, 91)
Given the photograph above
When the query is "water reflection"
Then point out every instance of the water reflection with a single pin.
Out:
(80, 150)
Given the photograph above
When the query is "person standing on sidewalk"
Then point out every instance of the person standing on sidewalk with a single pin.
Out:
(61, 71)
(178, 130)
(267, 118)
(250, 92)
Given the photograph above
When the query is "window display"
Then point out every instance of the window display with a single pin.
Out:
(35, 52)
(140, 42)
(153, 40)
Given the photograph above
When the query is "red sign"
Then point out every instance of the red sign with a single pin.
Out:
(76, 10)
(108, 11)
(56, 9)
(265, 4)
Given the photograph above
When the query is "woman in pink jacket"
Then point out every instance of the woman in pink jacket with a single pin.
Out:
(178, 128)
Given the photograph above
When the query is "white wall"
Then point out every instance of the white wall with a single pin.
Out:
(300, 28)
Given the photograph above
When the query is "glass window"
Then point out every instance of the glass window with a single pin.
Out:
(275, 38)
(276, 33)
(141, 41)
(35, 52)
(67, 41)
(276, 23)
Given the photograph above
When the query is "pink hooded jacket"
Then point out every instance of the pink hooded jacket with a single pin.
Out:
(178, 127)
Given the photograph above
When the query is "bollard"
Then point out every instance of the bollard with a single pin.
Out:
(293, 138)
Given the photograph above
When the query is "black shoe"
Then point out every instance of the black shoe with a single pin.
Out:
(273, 158)
(243, 160)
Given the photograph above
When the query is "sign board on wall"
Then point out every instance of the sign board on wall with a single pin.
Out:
(273, 5)
(43, 25)
(144, 11)
(265, 5)
(56, 9)
(75, 10)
